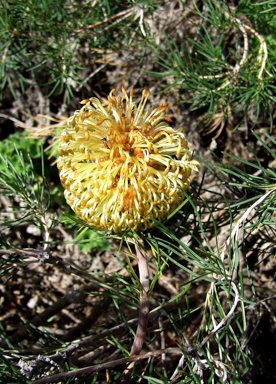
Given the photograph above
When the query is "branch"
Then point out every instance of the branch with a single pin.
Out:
(110, 364)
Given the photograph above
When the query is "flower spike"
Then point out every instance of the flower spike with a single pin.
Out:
(120, 165)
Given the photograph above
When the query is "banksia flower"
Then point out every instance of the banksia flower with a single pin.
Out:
(120, 165)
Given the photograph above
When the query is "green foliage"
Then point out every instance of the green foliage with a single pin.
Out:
(262, 12)
(9, 373)
(24, 184)
(261, 183)
(224, 65)
(42, 41)
(89, 239)
(19, 142)
(24, 155)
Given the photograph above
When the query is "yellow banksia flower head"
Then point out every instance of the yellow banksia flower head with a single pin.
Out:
(120, 165)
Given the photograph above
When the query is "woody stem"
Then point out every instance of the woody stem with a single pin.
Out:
(143, 310)
(144, 302)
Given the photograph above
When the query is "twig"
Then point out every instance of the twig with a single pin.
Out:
(262, 49)
(46, 257)
(89, 76)
(115, 22)
(16, 121)
(141, 20)
(232, 73)
(46, 231)
(120, 14)
(234, 235)
(226, 318)
(235, 231)
(110, 364)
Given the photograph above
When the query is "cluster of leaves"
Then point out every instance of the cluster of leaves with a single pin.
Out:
(29, 188)
(19, 142)
(224, 65)
(41, 41)
(22, 177)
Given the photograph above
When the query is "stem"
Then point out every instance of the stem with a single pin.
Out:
(144, 302)
(143, 311)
